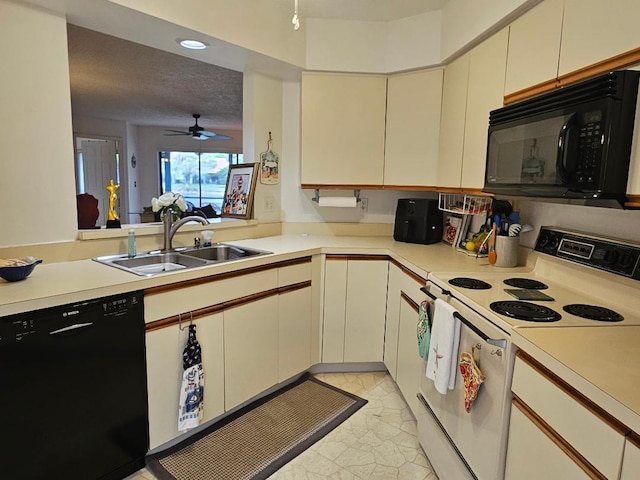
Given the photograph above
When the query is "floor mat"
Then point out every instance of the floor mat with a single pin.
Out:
(260, 438)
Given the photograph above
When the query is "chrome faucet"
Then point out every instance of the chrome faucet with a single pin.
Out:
(171, 228)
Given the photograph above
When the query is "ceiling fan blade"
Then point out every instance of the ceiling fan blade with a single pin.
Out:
(179, 132)
(214, 135)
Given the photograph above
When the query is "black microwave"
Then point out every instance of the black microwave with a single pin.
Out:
(573, 142)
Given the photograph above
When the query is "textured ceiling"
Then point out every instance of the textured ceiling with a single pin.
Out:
(121, 80)
(365, 10)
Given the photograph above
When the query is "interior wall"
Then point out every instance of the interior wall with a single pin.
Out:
(131, 146)
(37, 187)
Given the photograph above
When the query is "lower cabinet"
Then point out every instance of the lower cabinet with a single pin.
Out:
(164, 374)
(354, 308)
(575, 438)
(294, 333)
(250, 350)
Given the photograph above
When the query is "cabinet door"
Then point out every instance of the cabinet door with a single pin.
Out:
(365, 310)
(164, 374)
(532, 453)
(392, 323)
(342, 131)
(631, 459)
(335, 304)
(452, 120)
(534, 46)
(487, 66)
(294, 333)
(409, 361)
(413, 128)
(250, 350)
(594, 30)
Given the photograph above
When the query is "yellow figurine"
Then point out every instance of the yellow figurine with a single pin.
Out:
(112, 188)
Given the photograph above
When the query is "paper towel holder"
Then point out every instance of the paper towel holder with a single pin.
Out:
(316, 197)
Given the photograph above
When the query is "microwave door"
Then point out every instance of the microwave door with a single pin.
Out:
(527, 155)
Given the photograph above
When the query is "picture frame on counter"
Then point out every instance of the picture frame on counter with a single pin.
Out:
(239, 191)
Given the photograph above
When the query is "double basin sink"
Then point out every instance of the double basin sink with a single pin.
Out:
(156, 262)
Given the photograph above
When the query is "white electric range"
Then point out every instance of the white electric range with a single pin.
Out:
(578, 280)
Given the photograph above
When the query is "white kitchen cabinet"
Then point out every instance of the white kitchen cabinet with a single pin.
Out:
(164, 374)
(392, 321)
(534, 46)
(487, 64)
(342, 130)
(250, 350)
(593, 440)
(452, 122)
(631, 459)
(409, 361)
(294, 333)
(532, 453)
(354, 309)
(414, 103)
(594, 31)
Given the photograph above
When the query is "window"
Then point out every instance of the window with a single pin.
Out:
(199, 176)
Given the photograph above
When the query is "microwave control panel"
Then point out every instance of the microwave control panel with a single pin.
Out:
(615, 256)
(590, 144)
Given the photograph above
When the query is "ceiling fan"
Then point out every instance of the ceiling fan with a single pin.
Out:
(197, 132)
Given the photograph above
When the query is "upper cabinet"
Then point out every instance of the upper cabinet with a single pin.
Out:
(594, 31)
(534, 47)
(485, 92)
(413, 128)
(452, 121)
(342, 132)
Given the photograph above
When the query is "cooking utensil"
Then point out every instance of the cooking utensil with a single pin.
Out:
(492, 255)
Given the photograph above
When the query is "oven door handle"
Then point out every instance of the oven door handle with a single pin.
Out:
(496, 342)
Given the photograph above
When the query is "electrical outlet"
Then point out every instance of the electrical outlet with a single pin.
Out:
(268, 204)
(364, 204)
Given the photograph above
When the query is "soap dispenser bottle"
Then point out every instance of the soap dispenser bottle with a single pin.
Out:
(132, 243)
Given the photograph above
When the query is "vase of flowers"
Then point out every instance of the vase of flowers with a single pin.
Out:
(171, 207)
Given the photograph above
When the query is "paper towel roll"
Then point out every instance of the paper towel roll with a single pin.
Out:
(337, 202)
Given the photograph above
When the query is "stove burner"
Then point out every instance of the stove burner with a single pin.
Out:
(529, 312)
(472, 283)
(593, 312)
(527, 283)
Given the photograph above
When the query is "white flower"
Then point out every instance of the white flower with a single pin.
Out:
(173, 202)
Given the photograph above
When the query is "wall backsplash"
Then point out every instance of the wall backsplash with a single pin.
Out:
(609, 222)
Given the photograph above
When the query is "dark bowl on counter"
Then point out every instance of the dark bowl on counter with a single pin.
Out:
(14, 273)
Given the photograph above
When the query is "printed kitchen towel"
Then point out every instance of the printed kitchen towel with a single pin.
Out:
(443, 348)
(424, 330)
(191, 407)
(472, 377)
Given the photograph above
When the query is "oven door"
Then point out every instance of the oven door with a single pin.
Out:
(480, 435)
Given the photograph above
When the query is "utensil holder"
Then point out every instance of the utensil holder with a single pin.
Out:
(507, 251)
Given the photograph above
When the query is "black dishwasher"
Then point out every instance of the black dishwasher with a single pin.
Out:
(73, 383)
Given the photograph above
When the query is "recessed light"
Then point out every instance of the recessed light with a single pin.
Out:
(192, 44)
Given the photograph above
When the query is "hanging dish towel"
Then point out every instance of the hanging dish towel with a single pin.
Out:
(191, 406)
(424, 330)
(472, 377)
(443, 348)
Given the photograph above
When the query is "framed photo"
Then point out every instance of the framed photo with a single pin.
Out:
(238, 194)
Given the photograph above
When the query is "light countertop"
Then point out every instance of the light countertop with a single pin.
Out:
(67, 282)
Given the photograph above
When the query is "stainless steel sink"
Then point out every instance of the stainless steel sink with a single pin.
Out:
(222, 252)
(156, 262)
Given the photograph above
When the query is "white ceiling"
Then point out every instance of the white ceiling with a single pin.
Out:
(121, 80)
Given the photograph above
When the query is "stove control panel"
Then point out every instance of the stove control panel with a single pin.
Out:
(616, 256)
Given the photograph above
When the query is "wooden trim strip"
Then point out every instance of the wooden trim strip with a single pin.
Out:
(347, 186)
(410, 273)
(412, 188)
(536, 89)
(633, 201)
(410, 301)
(616, 62)
(634, 439)
(220, 307)
(595, 409)
(223, 276)
(560, 442)
(349, 256)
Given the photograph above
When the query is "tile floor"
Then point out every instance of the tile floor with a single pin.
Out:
(377, 442)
